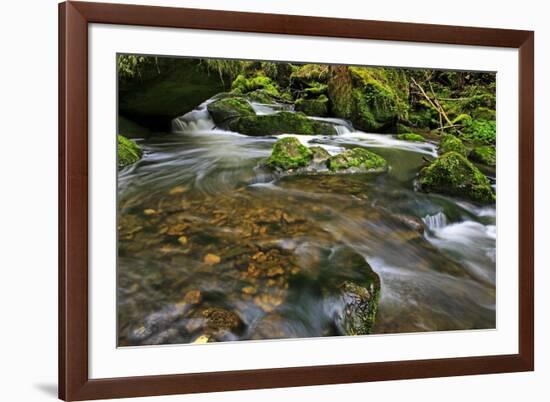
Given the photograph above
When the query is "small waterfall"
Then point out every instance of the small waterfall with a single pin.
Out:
(194, 121)
(340, 125)
(436, 221)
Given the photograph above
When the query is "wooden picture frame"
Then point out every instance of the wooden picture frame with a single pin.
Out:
(74, 381)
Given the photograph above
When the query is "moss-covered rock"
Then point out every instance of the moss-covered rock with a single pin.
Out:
(281, 123)
(227, 109)
(262, 96)
(128, 151)
(451, 143)
(357, 160)
(453, 174)
(361, 303)
(288, 153)
(485, 154)
(320, 154)
(354, 302)
(411, 137)
(313, 107)
(374, 99)
(244, 85)
(311, 73)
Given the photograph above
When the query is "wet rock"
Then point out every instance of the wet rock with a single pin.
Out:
(227, 109)
(412, 222)
(281, 123)
(453, 174)
(220, 324)
(485, 155)
(289, 153)
(359, 305)
(352, 297)
(411, 137)
(211, 259)
(357, 160)
(193, 297)
(313, 107)
(451, 143)
(320, 154)
(156, 323)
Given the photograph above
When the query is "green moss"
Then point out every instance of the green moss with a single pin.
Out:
(313, 107)
(311, 72)
(451, 143)
(243, 85)
(453, 174)
(374, 99)
(462, 119)
(128, 151)
(261, 96)
(340, 92)
(281, 123)
(289, 153)
(357, 158)
(484, 113)
(411, 137)
(481, 131)
(226, 109)
(484, 154)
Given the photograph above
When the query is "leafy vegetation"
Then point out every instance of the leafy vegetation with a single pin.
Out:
(128, 151)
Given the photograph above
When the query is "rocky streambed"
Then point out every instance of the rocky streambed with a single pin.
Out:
(251, 220)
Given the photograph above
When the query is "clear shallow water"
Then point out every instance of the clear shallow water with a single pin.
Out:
(200, 219)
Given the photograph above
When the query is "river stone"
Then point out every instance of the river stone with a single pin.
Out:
(226, 109)
(320, 154)
(288, 153)
(281, 123)
(357, 160)
(313, 107)
(353, 302)
(453, 174)
(411, 137)
(485, 155)
(451, 143)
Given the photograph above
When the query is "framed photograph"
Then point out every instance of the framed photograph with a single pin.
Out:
(260, 200)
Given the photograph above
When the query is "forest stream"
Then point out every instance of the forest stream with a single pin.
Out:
(207, 233)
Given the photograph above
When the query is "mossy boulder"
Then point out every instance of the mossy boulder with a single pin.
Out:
(485, 154)
(227, 109)
(453, 174)
(244, 85)
(288, 153)
(374, 99)
(128, 151)
(411, 137)
(281, 123)
(320, 154)
(357, 160)
(309, 73)
(451, 143)
(313, 107)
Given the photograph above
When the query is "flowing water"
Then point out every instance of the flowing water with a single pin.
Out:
(203, 226)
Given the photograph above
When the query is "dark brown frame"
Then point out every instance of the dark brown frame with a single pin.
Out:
(74, 17)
